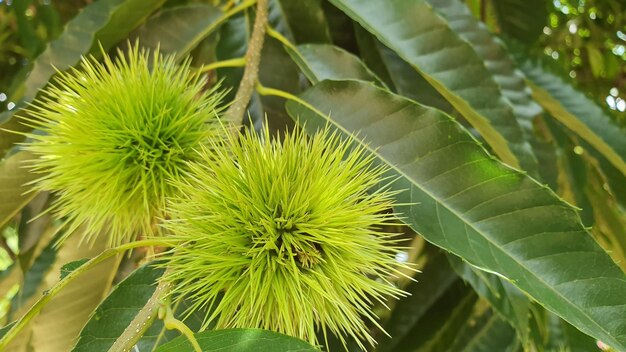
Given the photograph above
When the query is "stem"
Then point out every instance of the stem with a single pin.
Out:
(236, 111)
(36, 308)
(142, 321)
(173, 323)
(244, 5)
(238, 62)
(286, 95)
(157, 342)
(281, 38)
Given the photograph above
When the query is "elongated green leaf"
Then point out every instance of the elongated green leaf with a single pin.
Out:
(579, 113)
(576, 340)
(116, 312)
(305, 19)
(505, 298)
(239, 340)
(436, 278)
(423, 39)
(461, 199)
(277, 70)
(323, 61)
(546, 151)
(496, 59)
(180, 29)
(104, 22)
(13, 176)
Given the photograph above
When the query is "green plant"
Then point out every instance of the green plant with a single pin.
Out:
(356, 142)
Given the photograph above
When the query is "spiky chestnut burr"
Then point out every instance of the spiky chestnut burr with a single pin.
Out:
(113, 136)
(287, 233)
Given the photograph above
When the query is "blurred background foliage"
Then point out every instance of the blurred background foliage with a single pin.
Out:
(587, 40)
(582, 39)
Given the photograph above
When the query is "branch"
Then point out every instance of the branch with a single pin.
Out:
(235, 112)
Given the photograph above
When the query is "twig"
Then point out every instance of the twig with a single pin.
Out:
(235, 112)
(142, 321)
(238, 62)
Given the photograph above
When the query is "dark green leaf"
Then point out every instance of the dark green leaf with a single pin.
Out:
(615, 179)
(180, 29)
(239, 340)
(71, 266)
(341, 27)
(277, 71)
(26, 30)
(117, 311)
(323, 61)
(463, 200)
(422, 38)
(305, 19)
